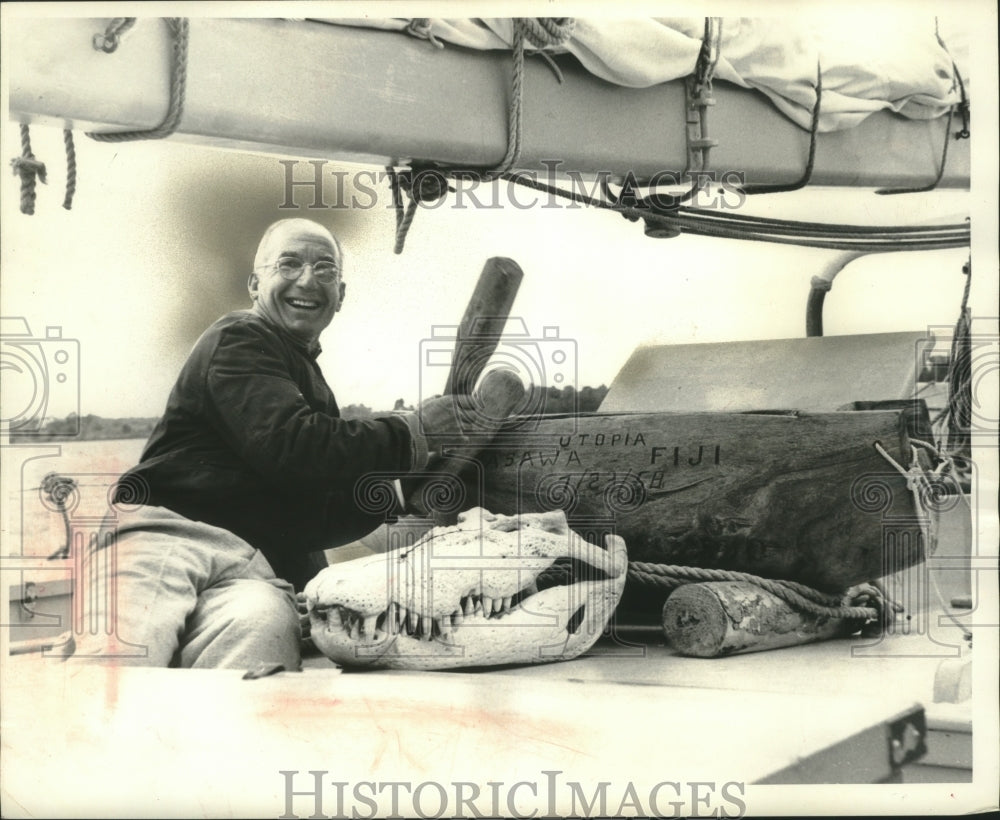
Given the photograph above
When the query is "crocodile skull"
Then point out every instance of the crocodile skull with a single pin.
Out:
(493, 589)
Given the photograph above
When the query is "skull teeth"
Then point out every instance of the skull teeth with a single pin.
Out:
(396, 619)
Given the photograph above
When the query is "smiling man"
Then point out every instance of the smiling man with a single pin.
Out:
(308, 290)
(249, 471)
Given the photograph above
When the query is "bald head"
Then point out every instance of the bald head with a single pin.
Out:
(278, 232)
(289, 295)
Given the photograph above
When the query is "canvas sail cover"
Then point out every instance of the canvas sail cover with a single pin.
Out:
(869, 62)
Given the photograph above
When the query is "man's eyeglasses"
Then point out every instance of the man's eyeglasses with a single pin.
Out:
(290, 268)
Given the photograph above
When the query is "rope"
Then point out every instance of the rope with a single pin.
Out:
(918, 483)
(698, 91)
(109, 41)
(711, 51)
(28, 168)
(780, 231)
(541, 32)
(963, 106)
(70, 168)
(403, 225)
(799, 596)
(940, 172)
(810, 160)
(178, 86)
(422, 184)
(920, 488)
(960, 375)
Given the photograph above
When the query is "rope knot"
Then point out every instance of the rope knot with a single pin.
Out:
(545, 31)
(28, 167)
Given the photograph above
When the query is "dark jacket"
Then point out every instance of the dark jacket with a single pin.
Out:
(252, 441)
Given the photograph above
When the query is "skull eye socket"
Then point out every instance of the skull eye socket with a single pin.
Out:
(569, 570)
(573, 624)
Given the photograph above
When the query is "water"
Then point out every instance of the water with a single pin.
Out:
(33, 526)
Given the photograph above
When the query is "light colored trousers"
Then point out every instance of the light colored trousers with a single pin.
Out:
(162, 590)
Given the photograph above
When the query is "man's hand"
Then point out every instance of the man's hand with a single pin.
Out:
(464, 423)
(476, 417)
(449, 421)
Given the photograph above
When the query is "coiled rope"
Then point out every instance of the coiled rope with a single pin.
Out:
(430, 185)
(541, 32)
(865, 602)
(178, 85)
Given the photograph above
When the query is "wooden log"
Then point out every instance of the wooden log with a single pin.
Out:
(712, 619)
(799, 496)
(501, 391)
(483, 322)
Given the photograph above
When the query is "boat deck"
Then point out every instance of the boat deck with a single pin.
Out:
(632, 713)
